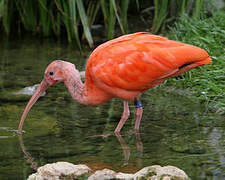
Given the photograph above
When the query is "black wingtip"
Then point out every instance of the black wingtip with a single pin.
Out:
(184, 65)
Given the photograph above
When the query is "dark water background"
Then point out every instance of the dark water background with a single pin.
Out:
(175, 130)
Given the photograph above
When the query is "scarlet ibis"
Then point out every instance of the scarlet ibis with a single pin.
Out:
(123, 68)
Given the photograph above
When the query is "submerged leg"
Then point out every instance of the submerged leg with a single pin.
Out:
(126, 114)
(139, 111)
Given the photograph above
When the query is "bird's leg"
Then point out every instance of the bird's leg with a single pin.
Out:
(126, 114)
(139, 111)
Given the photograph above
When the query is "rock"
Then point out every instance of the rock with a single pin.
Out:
(219, 4)
(160, 173)
(82, 75)
(106, 174)
(103, 174)
(65, 170)
(18, 96)
(124, 176)
(59, 171)
(28, 90)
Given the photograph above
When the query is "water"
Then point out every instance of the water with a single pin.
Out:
(176, 129)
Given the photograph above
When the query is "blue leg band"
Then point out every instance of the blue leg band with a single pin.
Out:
(138, 104)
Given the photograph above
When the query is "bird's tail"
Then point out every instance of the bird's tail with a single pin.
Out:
(189, 66)
(190, 57)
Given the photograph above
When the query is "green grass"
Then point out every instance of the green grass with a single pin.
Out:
(208, 82)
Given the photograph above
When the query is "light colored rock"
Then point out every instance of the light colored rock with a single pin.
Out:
(146, 172)
(172, 171)
(107, 174)
(161, 173)
(104, 174)
(32, 177)
(82, 75)
(62, 170)
(59, 170)
(28, 90)
(124, 176)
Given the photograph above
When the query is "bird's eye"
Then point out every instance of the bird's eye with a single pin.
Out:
(51, 73)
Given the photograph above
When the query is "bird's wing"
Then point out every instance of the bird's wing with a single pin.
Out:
(139, 61)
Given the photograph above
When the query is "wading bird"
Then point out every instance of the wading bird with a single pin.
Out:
(123, 68)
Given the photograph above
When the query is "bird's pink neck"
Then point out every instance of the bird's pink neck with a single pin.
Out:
(83, 92)
(76, 87)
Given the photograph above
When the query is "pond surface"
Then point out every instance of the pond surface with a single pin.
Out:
(175, 129)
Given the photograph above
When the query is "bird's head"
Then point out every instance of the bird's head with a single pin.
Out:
(57, 71)
(54, 73)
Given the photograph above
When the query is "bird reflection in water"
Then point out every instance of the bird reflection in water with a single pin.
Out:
(30, 159)
(125, 148)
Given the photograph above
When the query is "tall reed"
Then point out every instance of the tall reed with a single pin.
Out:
(165, 11)
(76, 17)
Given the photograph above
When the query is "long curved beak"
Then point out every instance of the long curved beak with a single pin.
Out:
(41, 89)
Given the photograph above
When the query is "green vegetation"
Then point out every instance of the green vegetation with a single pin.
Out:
(166, 11)
(76, 17)
(57, 17)
(209, 82)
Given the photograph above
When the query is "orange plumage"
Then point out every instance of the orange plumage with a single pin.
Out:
(131, 64)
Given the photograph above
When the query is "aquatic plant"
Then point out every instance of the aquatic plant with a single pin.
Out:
(76, 17)
(166, 11)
